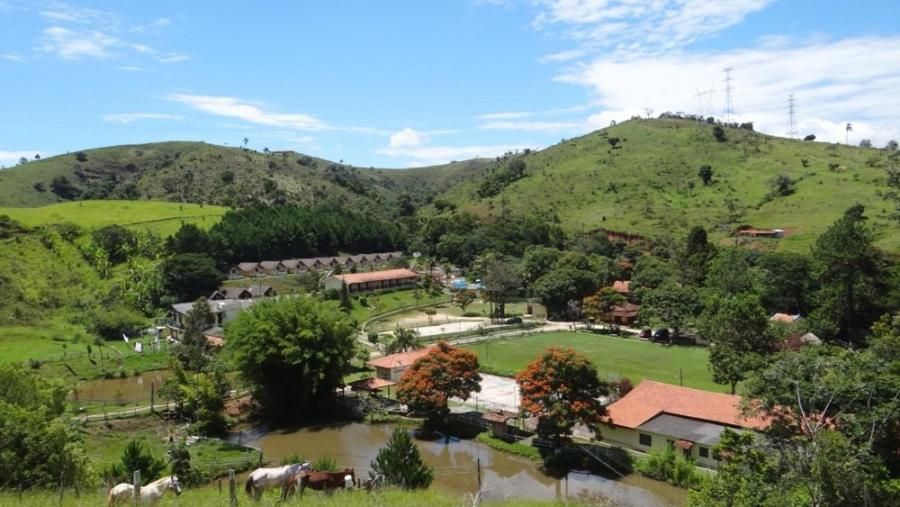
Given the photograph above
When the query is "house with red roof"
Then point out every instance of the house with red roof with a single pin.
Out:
(392, 366)
(373, 280)
(653, 416)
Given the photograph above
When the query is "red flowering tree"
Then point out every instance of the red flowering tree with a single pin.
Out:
(445, 372)
(560, 387)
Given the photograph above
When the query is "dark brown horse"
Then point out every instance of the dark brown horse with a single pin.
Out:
(324, 481)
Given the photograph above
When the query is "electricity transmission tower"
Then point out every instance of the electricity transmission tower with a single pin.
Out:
(729, 92)
(792, 117)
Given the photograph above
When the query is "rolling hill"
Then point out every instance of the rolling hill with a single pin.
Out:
(641, 177)
(194, 172)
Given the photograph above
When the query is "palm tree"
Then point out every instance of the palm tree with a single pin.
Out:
(847, 129)
(404, 340)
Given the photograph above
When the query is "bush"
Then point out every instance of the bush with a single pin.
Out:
(400, 464)
(111, 322)
(117, 241)
(719, 134)
(325, 464)
(670, 466)
(135, 457)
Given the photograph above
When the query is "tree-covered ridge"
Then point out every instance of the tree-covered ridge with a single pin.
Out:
(284, 232)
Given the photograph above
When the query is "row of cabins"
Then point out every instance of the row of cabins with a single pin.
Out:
(294, 266)
(388, 279)
(650, 417)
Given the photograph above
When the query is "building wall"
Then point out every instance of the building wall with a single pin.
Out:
(630, 438)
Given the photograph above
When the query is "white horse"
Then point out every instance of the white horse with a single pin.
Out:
(151, 493)
(262, 478)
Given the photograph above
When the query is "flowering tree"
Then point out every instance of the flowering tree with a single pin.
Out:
(560, 387)
(445, 372)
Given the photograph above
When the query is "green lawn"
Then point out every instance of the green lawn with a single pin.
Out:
(163, 218)
(385, 302)
(614, 357)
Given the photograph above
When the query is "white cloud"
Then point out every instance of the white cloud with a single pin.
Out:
(14, 57)
(173, 58)
(512, 115)
(153, 27)
(414, 145)
(126, 118)
(11, 158)
(231, 107)
(834, 82)
(639, 26)
(532, 126)
(73, 45)
(58, 12)
(407, 138)
(132, 68)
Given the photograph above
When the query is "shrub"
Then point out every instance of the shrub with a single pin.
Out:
(400, 464)
(719, 134)
(325, 464)
(111, 322)
(670, 466)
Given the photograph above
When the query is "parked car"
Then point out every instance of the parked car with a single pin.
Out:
(661, 334)
(513, 320)
(646, 333)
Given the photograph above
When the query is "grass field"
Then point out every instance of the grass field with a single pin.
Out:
(163, 218)
(614, 357)
(210, 496)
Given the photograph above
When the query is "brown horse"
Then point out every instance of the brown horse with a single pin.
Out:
(324, 481)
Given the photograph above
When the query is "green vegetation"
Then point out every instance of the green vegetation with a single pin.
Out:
(399, 463)
(162, 218)
(613, 357)
(669, 466)
(210, 496)
(204, 173)
(648, 184)
(517, 448)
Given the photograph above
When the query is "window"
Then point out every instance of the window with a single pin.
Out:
(645, 439)
(704, 452)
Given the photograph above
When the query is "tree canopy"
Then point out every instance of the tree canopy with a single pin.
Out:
(560, 388)
(445, 372)
(293, 351)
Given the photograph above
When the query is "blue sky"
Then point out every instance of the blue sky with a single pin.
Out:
(404, 83)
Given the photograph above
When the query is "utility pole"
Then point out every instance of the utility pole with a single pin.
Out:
(729, 94)
(792, 117)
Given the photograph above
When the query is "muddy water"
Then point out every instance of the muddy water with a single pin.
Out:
(455, 466)
(135, 388)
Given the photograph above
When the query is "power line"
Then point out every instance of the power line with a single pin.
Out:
(792, 117)
(729, 91)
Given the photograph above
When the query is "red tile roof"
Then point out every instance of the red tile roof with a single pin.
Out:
(650, 398)
(784, 317)
(629, 310)
(378, 276)
(370, 384)
(622, 286)
(400, 360)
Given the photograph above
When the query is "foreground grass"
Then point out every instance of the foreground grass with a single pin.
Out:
(613, 357)
(163, 218)
(210, 496)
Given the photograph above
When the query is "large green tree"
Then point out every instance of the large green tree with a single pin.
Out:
(502, 279)
(737, 329)
(851, 275)
(671, 305)
(186, 277)
(192, 349)
(294, 352)
(573, 276)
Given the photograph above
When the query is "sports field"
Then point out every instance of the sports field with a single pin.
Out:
(614, 357)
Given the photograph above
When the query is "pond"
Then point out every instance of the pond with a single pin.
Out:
(456, 466)
(128, 389)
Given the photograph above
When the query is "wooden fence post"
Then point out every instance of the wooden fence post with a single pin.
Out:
(232, 491)
(136, 482)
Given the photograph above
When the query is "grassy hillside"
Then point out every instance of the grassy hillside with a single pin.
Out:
(162, 218)
(649, 184)
(203, 173)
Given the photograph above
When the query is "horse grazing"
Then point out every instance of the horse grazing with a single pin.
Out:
(325, 481)
(151, 493)
(263, 478)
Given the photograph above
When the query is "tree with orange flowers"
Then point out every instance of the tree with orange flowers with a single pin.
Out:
(445, 372)
(560, 387)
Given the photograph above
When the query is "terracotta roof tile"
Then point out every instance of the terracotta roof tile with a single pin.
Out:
(377, 276)
(651, 398)
(370, 384)
(622, 286)
(400, 360)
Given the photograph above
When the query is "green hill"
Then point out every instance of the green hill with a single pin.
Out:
(162, 218)
(648, 183)
(193, 172)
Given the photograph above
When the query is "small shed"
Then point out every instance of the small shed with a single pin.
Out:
(497, 421)
(371, 385)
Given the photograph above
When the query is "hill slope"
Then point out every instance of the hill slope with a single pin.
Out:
(648, 184)
(203, 173)
(163, 218)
